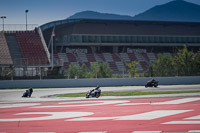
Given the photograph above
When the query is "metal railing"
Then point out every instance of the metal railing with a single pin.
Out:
(44, 43)
(16, 27)
(24, 62)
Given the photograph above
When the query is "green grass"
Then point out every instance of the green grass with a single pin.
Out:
(129, 93)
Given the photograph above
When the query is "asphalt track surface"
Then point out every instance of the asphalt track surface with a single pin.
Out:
(39, 95)
(138, 114)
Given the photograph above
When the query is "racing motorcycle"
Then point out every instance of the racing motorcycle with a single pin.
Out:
(93, 93)
(28, 93)
(152, 83)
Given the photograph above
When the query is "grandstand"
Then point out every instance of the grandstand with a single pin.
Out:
(117, 42)
(88, 41)
(23, 53)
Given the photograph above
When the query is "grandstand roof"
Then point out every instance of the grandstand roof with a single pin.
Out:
(123, 27)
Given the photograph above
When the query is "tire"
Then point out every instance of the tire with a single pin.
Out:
(87, 96)
(97, 95)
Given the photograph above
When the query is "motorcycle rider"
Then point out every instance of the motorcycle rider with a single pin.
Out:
(30, 91)
(97, 87)
(153, 81)
(96, 90)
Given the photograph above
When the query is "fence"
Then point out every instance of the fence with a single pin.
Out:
(17, 27)
(13, 73)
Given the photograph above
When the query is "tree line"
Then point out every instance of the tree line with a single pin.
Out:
(97, 70)
(183, 63)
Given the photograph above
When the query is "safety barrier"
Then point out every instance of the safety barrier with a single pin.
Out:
(56, 83)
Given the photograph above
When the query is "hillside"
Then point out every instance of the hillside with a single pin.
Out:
(97, 15)
(176, 10)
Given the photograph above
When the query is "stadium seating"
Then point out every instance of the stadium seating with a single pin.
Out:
(97, 58)
(116, 61)
(91, 57)
(115, 57)
(101, 56)
(71, 57)
(132, 56)
(144, 65)
(63, 57)
(121, 66)
(82, 57)
(5, 57)
(146, 58)
(108, 57)
(139, 56)
(32, 48)
(152, 57)
(124, 57)
(113, 66)
(14, 49)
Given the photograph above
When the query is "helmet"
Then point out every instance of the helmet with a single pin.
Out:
(97, 87)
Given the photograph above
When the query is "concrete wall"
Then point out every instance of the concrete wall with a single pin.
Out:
(93, 82)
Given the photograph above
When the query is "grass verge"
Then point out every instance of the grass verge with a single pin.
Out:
(129, 93)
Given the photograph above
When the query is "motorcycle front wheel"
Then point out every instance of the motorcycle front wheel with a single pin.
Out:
(97, 95)
(87, 95)
(155, 85)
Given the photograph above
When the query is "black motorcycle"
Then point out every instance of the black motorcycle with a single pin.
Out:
(93, 93)
(152, 83)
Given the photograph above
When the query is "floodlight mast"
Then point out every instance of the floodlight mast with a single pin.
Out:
(26, 11)
(3, 17)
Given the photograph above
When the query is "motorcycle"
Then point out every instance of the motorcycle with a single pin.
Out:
(28, 93)
(93, 93)
(152, 83)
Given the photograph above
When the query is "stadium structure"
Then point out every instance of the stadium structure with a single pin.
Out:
(85, 41)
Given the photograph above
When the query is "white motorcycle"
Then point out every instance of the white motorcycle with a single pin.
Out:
(93, 93)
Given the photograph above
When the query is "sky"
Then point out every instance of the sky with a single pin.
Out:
(44, 11)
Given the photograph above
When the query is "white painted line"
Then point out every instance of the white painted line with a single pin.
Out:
(182, 122)
(53, 115)
(126, 104)
(147, 132)
(92, 118)
(194, 118)
(152, 115)
(18, 105)
(42, 132)
(93, 103)
(178, 101)
(143, 116)
(79, 102)
(186, 122)
(94, 132)
(194, 131)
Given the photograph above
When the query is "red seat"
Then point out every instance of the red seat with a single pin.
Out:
(31, 47)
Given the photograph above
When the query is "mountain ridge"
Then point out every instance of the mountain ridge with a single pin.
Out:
(176, 10)
(97, 15)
